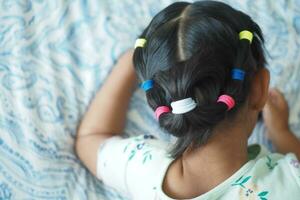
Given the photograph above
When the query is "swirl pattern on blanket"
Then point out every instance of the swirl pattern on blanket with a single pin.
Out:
(54, 56)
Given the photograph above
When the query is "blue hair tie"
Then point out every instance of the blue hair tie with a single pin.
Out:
(147, 85)
(238, 74)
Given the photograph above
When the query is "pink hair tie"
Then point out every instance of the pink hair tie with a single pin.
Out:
(228, 100)
(161, 110)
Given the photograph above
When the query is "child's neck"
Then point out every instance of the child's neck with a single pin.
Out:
(204, 168)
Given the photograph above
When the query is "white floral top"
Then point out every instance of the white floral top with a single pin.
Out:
(136, 167)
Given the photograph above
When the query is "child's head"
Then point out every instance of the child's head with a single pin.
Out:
(190, 51)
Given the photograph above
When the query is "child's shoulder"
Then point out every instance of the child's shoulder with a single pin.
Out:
(271, 175)
(145, 148)
(263, 157)
(268, 162)
(133, 165)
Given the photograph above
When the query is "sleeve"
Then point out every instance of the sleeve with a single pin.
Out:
(131, 165)
(111, 164)
(294, 165)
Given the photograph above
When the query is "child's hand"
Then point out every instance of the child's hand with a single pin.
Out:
(276, 115)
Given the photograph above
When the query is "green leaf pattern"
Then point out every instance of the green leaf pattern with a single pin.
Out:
(139, 146)
(264, 193)
(270, 164)
(241, 181)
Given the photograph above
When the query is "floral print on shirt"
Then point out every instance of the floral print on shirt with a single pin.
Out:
(139, 145)
(249, 190)
(295, 163)
(270, 164)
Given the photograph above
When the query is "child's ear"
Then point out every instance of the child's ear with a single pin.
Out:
(259, 91)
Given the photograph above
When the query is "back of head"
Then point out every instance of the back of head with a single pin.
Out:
(190, 51)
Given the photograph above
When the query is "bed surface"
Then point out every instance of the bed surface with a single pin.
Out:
(54, 55)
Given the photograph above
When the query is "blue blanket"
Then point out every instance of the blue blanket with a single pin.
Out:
(54, 56)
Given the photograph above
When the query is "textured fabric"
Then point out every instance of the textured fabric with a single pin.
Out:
(136, 166)
(54, 56)
(133, 165)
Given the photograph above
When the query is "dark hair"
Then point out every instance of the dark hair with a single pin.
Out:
(190, 51)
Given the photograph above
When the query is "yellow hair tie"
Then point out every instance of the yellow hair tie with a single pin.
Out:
(246, 35)
(140, 42)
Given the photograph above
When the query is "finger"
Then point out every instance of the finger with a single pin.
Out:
(278, 97)
(270, 100)
(266, 110)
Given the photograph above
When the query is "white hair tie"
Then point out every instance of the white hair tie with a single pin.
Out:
(183, 106)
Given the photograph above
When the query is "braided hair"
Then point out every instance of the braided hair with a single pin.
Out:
(190, 51)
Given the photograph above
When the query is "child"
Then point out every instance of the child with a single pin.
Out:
(202, 67)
